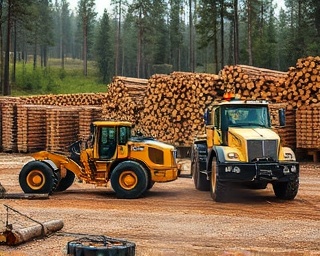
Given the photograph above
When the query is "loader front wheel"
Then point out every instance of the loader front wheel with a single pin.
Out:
(37, 177)
(129, 180)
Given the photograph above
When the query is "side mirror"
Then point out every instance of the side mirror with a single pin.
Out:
(206, 117)
(282, 117)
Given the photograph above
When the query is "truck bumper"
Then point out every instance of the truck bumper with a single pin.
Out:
(258, 171)
(164, 175)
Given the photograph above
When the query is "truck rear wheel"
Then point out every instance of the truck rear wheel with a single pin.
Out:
(37, 177)
(218, 189)
(286, 190)
(129, 180)
(199, 179)
(65, 182)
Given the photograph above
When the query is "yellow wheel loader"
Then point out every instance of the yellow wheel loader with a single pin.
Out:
(132, 164)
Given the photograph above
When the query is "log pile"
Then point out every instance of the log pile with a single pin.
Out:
(124, 100)
(287, 133)
(255, 83)
(308, 127)
(303, 82)
(88, 114)
(174, 105)
(80, 99)
(62, 128)
(31, 131)
(8, 108)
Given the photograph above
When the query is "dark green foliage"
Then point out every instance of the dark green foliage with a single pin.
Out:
(103, 49)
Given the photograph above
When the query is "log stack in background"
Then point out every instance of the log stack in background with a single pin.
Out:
(308, 127)
(77, 99)
(255, 83)
(8, 108)
(62, 128)
(287, 133)
(124, 100)
(31, 128)
(304, 82)
(174, 105)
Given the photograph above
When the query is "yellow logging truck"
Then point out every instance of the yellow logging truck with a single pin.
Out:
(240, 148)
(131, 164)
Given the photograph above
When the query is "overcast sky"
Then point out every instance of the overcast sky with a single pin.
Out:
(105, 4)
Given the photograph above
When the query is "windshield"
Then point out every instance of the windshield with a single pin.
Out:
(250, 115)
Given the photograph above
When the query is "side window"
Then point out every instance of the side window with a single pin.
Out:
(216, 117)
(108, 142)
(124, 134)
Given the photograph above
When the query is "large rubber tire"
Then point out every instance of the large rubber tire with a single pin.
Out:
(97, 248)
(129, 180)
(37, 177)
(286, 190)
(218, 189)
(200, 180)
(66, 182)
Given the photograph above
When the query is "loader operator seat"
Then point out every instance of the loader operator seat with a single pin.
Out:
(107, 149)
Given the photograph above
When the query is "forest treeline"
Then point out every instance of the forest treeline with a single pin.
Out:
(138, 38)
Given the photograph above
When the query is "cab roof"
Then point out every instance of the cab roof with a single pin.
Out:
(112, 123)
(240, 102)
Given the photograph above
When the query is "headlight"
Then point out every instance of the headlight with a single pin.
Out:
(233, 155)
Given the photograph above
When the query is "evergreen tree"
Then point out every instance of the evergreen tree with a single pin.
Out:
(87, 18)
(103, 49)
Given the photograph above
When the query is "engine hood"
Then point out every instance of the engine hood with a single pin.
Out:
(254, 133)
(150, 142)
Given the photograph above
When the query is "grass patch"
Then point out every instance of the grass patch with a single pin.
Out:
(55, 80)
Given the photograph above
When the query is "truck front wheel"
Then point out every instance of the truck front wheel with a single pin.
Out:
(37, 177)
(286, 190)
(129, 180)
(218, 189)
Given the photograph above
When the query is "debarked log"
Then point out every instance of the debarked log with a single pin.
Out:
(19, 236)
(23, 196)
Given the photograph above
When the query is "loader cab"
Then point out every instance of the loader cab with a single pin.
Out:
(111, 139)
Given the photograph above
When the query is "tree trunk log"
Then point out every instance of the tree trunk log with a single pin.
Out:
(15, 237)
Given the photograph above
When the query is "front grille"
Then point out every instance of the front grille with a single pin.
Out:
(262, 149)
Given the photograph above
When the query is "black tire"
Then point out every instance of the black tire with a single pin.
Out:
(91, 247)
(218, 189)
(200, 180)
(37, 177)
(286, 190)
(129, 180)
(66, 182)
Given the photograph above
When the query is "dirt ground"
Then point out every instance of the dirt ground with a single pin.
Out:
(172, 218)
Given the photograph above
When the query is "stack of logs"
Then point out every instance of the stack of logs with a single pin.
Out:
(255, 83)
(174, 105)
(124, 100)
(303, 82)
(308, 127)
(80, 99)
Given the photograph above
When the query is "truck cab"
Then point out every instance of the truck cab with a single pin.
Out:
(239, 147)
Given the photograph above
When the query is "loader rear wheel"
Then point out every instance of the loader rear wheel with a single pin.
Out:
(66, 182)
(129, 180)
(37, 177)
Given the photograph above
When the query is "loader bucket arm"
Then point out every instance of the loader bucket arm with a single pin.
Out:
(61, 161)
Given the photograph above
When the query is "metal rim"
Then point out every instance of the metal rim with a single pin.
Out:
(128, 180)
(36, 179)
